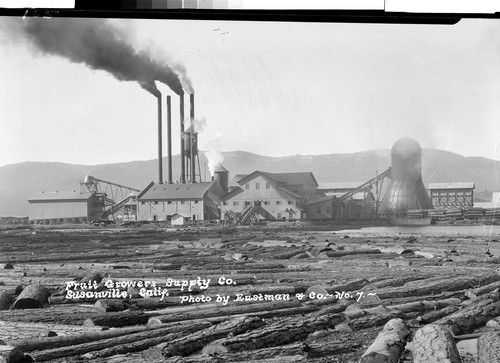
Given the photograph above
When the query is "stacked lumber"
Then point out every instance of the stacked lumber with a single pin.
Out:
(474, 213)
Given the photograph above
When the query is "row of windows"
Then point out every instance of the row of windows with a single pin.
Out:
(257, 186)
(266, 202)
(169, 202)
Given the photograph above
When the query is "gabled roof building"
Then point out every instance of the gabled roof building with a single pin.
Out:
(194, 201)
(281, 195)
(67, 205)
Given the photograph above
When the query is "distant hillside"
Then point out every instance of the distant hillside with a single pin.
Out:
(19, 181)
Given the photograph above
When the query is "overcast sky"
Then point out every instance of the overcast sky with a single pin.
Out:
(273, 89)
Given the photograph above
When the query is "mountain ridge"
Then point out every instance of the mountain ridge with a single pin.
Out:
(19, 181)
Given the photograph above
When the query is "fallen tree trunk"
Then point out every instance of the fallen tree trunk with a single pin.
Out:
(488, 347)
(6, 299)
(194, 342)
(397, 281)
(474, 293)
(294, 350)
(432, 316)
(11, 354)
(224, 317)
(424, 287)
(28, 345)
(425, 305)
(220, 310)
(273, 335)
(388, 345)
(118, 319)
(473, 316)
(434, 344)
(33, 296)
(119, 345)
(372, 320)
(353, 252)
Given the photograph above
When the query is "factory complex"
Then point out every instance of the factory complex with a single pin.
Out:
(397, 195)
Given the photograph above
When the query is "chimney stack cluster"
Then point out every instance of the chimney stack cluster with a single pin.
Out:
(192, 145)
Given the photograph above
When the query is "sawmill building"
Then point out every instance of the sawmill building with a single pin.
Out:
(360, 205)
(192, 201)
(281, 195)
(67, 205)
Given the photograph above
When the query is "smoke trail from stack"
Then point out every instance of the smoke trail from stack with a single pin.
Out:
(101, 46)
(214, 155)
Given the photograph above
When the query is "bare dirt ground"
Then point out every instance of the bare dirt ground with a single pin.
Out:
(294, 292)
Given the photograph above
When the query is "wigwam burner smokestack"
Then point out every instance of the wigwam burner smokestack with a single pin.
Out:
(406, 190)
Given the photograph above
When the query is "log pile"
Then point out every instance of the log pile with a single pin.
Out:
(321, 312)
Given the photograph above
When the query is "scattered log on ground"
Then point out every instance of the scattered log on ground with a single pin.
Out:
(224, 317)
(494, 323)
(474, 293)
(425, 305)
(6, 299)
(33, 296)
(28, 345)
(371, 321)
(460, 294)
(434, 343)
(494, 295)
(432, 316)
(293, 350)
(91, 276)
(272, 335)
(11, 354)
(112, 305)
(122, 344)
(464, 321)
(118, 319)
(488, 347)
(349, 286)
(397, 281)
(195, 342)
(424, 287)
(388, 345)
(353, 252)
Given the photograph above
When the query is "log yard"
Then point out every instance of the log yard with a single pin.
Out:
(260, 265)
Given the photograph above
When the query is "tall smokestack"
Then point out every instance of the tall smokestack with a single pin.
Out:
(192, 151)
(183, 169)
(169, 139)
(160, 156)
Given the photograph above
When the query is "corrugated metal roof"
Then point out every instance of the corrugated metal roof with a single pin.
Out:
(186, 191)
(339, 185)
(295, 195)
(236, 179)
(232, 193)
(62, 195)
(219, 168)
(298, 178)
(466, 185)
(183, 215)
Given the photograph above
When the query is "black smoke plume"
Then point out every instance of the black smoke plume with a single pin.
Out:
(101, 46)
